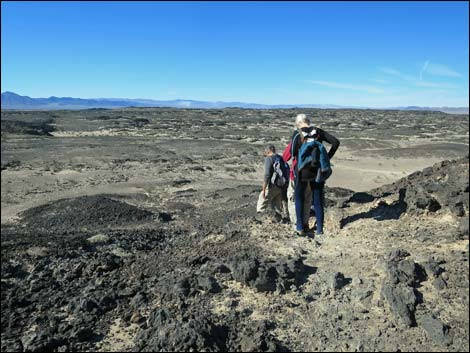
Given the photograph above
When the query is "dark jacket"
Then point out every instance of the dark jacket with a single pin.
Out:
(322, 136)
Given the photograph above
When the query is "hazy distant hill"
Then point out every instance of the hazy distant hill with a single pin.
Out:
(450, 110)
(11, 100)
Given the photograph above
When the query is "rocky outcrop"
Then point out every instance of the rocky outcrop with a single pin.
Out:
(265, 275)
(91, 212)
(402, 276)
(443, 186)
(38, 128)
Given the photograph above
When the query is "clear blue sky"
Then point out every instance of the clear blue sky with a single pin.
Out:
(363, 54)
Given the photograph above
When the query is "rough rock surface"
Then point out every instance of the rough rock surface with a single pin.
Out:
(39, 128)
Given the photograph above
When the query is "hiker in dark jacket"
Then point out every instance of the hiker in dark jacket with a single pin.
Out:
(309, 201)
(308, 183)
(273, 194)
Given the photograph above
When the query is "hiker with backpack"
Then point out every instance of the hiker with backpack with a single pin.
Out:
(276, 179)
(311, 167)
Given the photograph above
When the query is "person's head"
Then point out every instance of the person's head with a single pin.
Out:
(269, 150)
(301, 120)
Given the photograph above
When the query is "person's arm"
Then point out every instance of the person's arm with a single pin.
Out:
(333, 141)
(265, 185)
(268, 172)
(295, 145)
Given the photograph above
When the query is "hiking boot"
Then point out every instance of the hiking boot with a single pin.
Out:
(300, 233)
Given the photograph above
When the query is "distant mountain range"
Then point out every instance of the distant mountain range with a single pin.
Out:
(11, 100)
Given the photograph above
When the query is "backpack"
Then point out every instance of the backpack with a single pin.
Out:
(280, 177)
(313, 157)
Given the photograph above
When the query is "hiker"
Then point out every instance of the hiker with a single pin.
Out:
(308, 190)
(276, 179)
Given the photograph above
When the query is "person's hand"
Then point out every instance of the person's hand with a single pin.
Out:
(264, 194)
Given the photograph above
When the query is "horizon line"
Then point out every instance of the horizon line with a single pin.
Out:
(287, 105)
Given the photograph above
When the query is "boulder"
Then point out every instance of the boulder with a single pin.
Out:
(436, 330)
(209, 284)
(402, 301)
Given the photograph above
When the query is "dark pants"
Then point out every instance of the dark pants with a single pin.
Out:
(317, 202)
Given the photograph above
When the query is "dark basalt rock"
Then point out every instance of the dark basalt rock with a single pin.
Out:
(337, 281)
(165, 333)
(88, 212)
(256, 338)
(432, 268)
(244, 269)
(402, 300)
(435, 329)
(40, 341)
(266, 281)
(444, 186)
(439, 283)
(197, 331)
(10, 165)
(402, 276)
(38, 128)
(209, 284)
(267, 276)
(420, 202)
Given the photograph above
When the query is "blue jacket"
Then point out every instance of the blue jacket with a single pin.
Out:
(324, 171)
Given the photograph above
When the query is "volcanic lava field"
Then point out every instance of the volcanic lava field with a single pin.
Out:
(136, 230)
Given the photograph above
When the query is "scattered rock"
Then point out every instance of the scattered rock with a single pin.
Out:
(181, 182)
(439, 283)
(165, 333)
(432, 268)
(402, 300)
(209, 284)
(267, 276)
(357, 281)
(402, 275)
(37, 251)
(435, 329)
(336, 281)
(266, 279)
(136, 318)
(40, 341)
(361, 294)
(99, 239)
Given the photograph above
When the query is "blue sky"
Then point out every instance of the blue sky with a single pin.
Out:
(373, 54)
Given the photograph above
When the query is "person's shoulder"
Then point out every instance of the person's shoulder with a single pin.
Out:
(294, 134)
